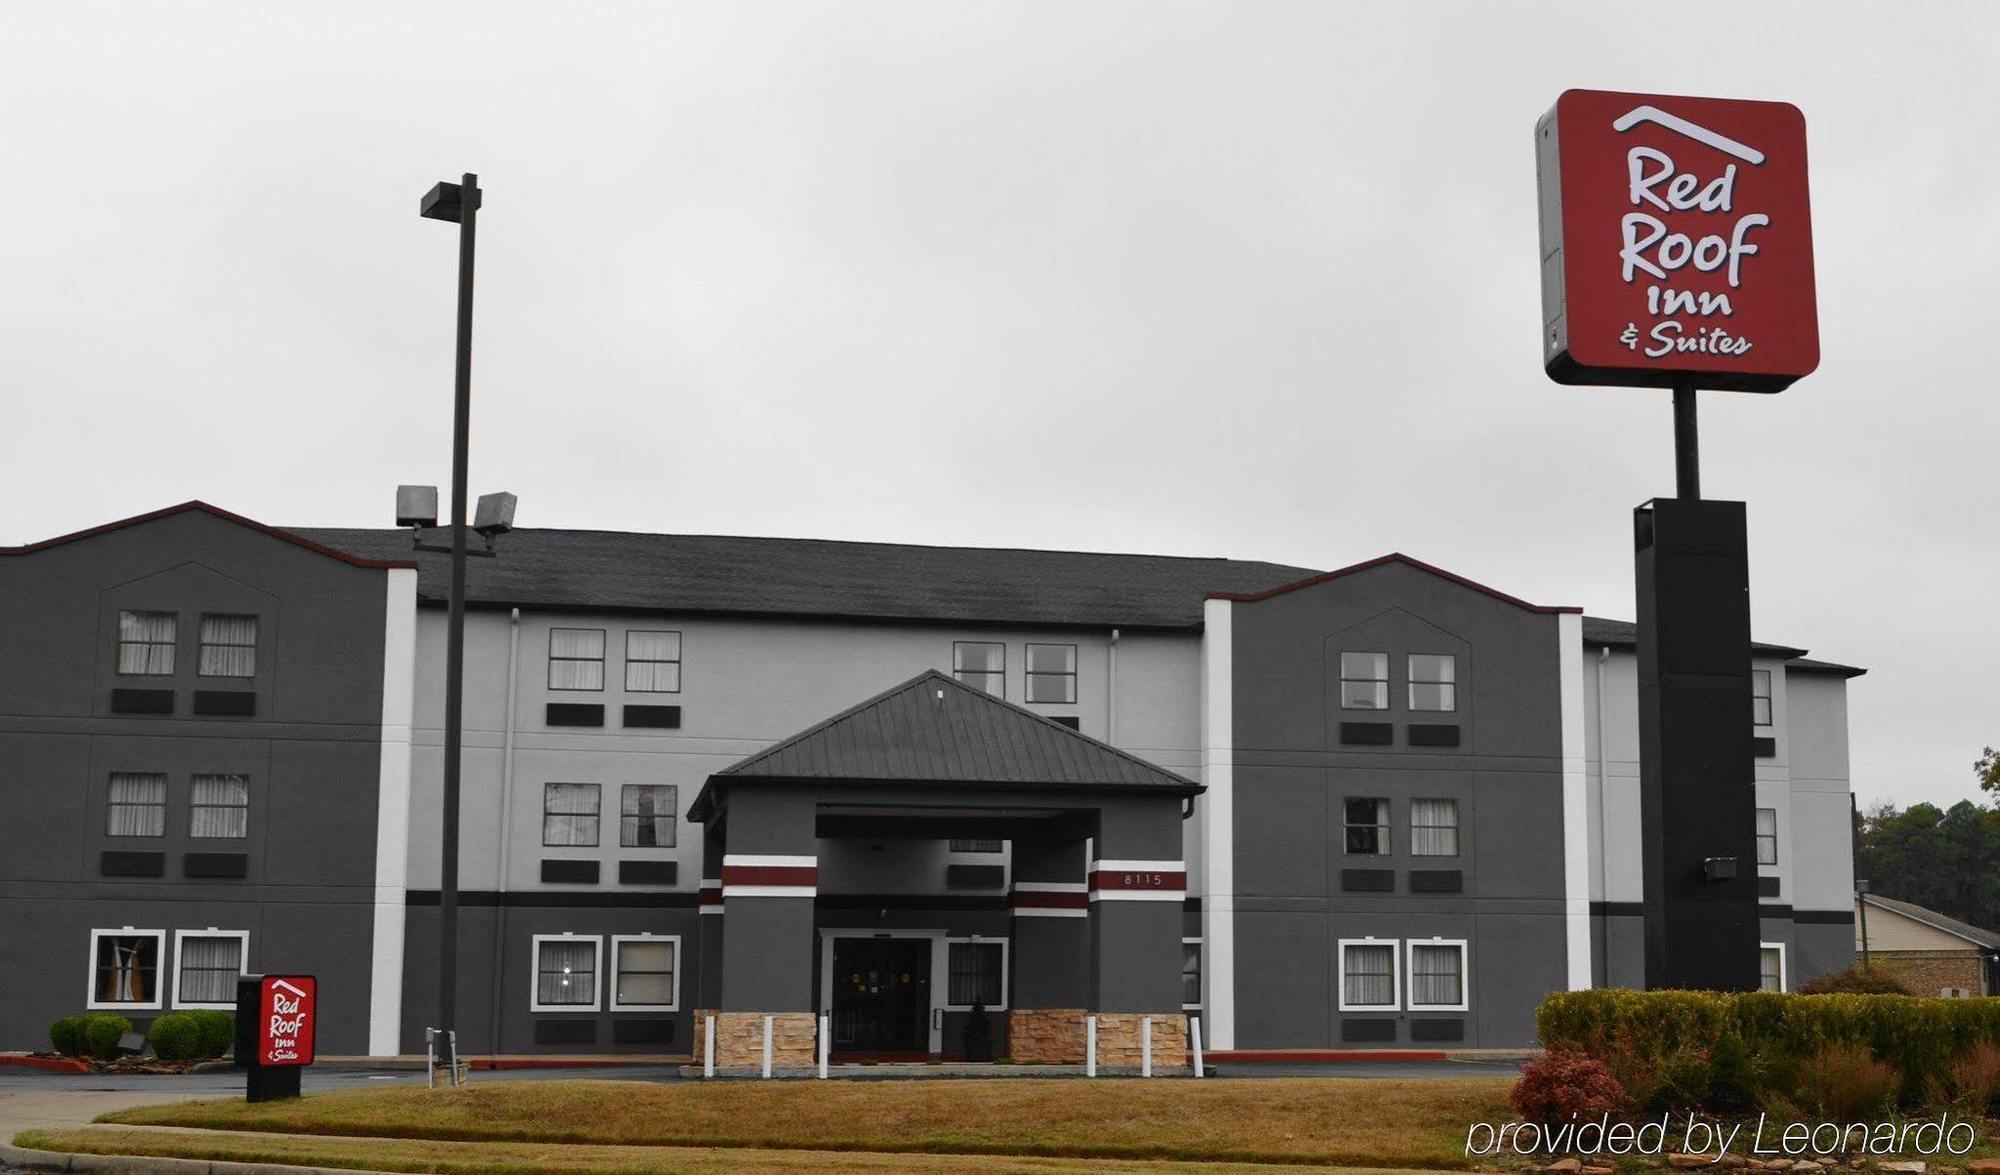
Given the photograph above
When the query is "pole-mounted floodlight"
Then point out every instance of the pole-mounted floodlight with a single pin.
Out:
(494, 515)
(416, 506)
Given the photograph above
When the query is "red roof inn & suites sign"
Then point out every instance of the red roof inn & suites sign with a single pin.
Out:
(1676, 242)
(287, 1007)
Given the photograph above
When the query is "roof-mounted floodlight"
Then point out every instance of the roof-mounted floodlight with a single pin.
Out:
(416, 505)
(494, 514)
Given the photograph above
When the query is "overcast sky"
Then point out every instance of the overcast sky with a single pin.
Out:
(1254, 280)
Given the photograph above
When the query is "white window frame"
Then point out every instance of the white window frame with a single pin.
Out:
(242, 963)
(1760, 837)
(616, 1005)
(1006, 958)
(161, 970)
(1395, 1003)
(1769, 697)
(1784, 964)
(596, 1003)
(1464, 975)
(1410, 684)
(1202, 955)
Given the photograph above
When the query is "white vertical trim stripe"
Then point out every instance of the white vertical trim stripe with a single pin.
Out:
(1218, 825)
(1575, 801)
(392, 812)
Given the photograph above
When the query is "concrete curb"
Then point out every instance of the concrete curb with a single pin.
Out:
(34, 1160)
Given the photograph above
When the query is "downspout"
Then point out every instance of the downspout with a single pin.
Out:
(506, 820)
(1603, 806)
(1111, 693)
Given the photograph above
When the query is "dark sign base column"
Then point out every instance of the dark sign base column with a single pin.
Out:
(1697, 772)
(268, 1084)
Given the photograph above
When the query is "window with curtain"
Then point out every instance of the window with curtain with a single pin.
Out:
(220, 807)
(1052, 674)
(981, 665)
(566, 972)
(1190, 974)
(1760, 697)
(1364, 681)
(646, 815)
(209, 965)
(1771, 969)
(136, 805)
(228, 646)
(653, 662)
(978, 846)
(127, 969)
(1767, 836)
(569, 815)
(1437, 975)
(975, 974)
(1368, 974)
(576, 658)
(643, 973)
(1433, 681)
(1367, 826)
(146, 642)
(1434, 828)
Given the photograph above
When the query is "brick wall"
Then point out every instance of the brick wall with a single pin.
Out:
(739, 1039)
(1930, 972)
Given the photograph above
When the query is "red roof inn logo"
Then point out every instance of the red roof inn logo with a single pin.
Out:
(1676, 242)
(287, 1006)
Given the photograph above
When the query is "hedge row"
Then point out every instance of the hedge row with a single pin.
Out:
(1733, 1048)
(176, 1036)
(192, 1036)
(93, 1035)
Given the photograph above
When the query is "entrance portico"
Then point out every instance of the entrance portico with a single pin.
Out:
(1091, 923)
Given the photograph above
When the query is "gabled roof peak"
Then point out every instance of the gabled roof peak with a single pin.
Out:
(1392, 557)
(197, 505)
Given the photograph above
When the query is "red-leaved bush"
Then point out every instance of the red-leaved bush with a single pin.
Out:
(1563, 1083)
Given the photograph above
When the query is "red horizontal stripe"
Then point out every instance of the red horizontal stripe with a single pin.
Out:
(1051, 901)
(711, 895)
(1122, 879)
(1316, 1056)
(770, 875)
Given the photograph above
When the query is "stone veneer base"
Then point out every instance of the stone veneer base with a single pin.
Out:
(739, 1039)
(1058, 1036)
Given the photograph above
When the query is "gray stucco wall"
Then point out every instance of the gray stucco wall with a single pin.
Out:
(1292, 772)
(311, 753)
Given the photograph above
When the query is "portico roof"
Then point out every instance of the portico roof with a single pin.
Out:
(935, 730)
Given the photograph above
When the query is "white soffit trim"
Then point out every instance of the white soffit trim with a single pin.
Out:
(1575, 801)
(1218, 825)
(392, 812)
(768, 860)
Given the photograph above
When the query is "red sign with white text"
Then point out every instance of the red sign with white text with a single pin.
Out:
(288, 1007)
(1676, 242)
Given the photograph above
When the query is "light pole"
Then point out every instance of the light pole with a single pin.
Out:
(457, 202)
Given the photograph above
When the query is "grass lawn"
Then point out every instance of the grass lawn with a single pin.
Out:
(521, 1158)
(1341, 1122)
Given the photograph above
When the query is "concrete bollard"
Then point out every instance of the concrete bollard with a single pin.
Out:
(708, 1049)
(1090, 1046)
(1146, 1046)
(825, 1040)
(767, 1046)
(1194, 1031)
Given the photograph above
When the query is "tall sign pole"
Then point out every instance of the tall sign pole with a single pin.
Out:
(1677, 253)
(458, 203)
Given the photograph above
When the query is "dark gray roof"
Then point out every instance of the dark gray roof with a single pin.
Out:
(934, 730)
(1949, 925)
(612, 570)
(1624, 634)
(605, 570)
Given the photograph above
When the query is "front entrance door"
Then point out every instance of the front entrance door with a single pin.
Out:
(882, 996)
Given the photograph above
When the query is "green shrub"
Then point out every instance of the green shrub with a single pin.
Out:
(100, 1034)
(66, 1035)
(1737, 1049)
(176, 1036)
(1858, 980)
(218, 1031)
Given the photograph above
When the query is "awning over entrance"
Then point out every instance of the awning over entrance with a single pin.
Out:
(934, 732)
